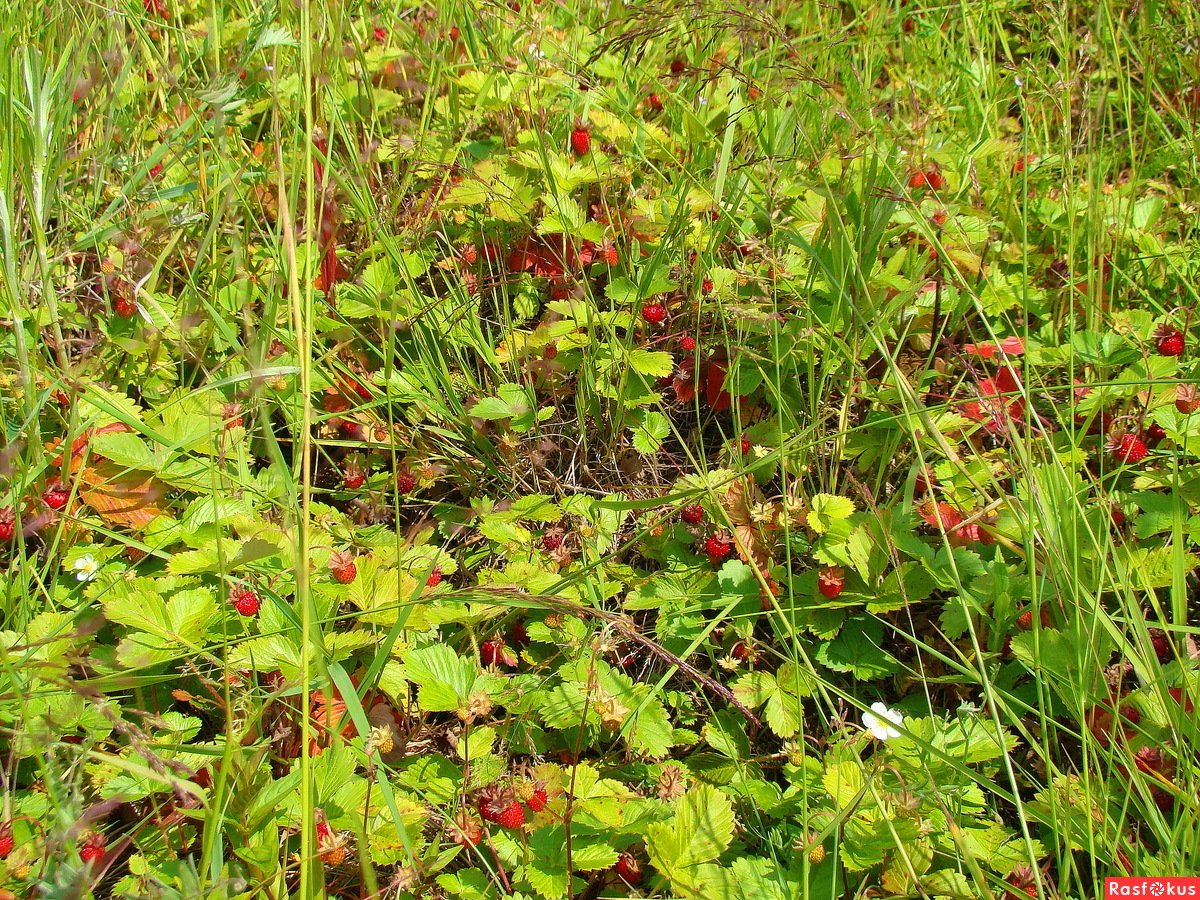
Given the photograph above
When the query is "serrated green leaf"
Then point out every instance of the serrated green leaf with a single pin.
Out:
(827, 509)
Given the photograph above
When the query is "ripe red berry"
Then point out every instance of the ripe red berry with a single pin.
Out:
(654, 103)
(353, 479)
(706, 286)
(156, 170)
(246, 602)
(581, 141)
(1187, 398)
(692, 514)
(520, 635)
(6, 840)
(56, 495)
(552, 540)
(434, 579)
(654, 313)
(7, 525)
(537, 800)
(92, 851)
(746, 446)
(830, 581)
(342, 567)
(512, 816)
(918, 181)
(1169, 341)
(716, 549)
(379, 33)
(628, 868)
(935, 179)
(453, 33)
(677, 66)
(1162, 645)
(687, 343)
(1025, 620)
(1127, 448)
(125, 307)
(742, 651)
(492, 652)
(609, 251)
(405, 482)
(1155, 433)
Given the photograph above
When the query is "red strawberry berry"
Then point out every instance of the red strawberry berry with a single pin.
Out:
(935, 179)
(654, 103)
(405, 482)
(513, 816)
(581, 141)
(629, 869)
(1025, 620)
(537, 800)
(1162, 645)
(246, 602)
(1169, 341)
(654, 313)
(6, 840)
(493, 653)
(379, 33)
(706, 286)
(692, 514)
(677, 66)
(609, 251)
(353, 478)
(1187, 398)
(56, 495)
(746, 446)
(830, 581)
(7, 525)
(1155, 433)
(687, 343)
(552, 540)
(434, 579)
(1127, 448)
(453, 33)
(156, 170)
(125, 307)
(92, 851)
(716, 549)
(342, 567)
(520, 635)
(918, 181)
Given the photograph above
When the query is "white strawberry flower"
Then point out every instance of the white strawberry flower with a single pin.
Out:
(86, 567)
(880, 721)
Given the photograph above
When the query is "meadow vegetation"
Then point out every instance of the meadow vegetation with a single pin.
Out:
(710, 451)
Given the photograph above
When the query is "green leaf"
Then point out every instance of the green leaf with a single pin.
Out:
(827, 509)
(444, 679)
(858, 649)
(655, 363)
(698, 833)
(648, 434)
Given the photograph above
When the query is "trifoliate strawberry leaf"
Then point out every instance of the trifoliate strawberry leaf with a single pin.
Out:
(648, 432)
(444, 679)
(699, 832)
(469, 884)
(827, 511)
(858, 650)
